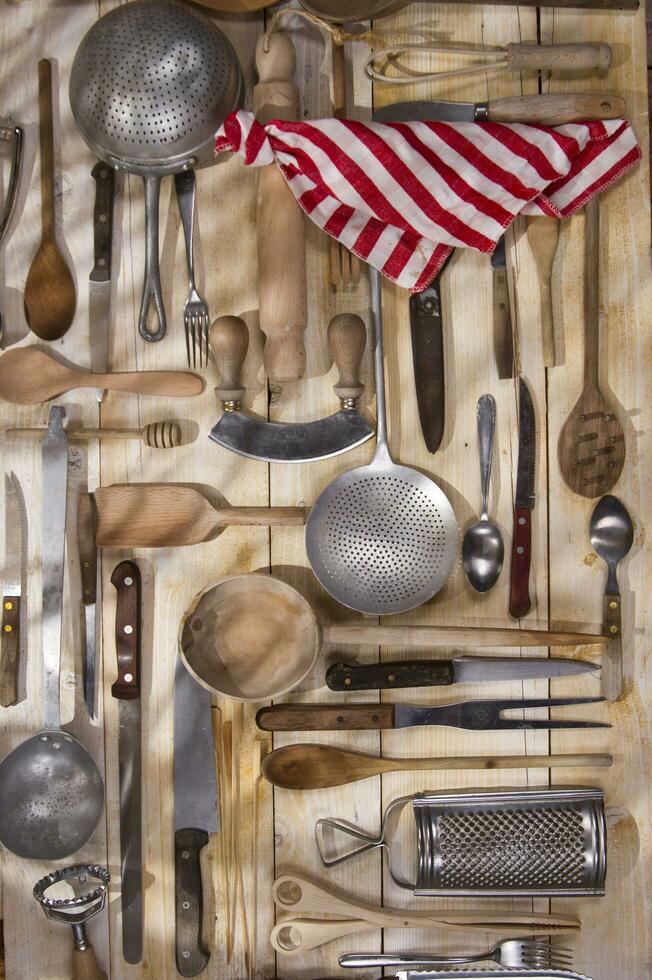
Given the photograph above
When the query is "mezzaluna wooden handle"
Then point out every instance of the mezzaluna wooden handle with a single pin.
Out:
(9, 650)
(555, 110)
(85, 965)
(229, 340)
(519, 594)
(126, 579)
(325, 718)
(280, 225)
(347, 336)
(558, 57)
(191, 954)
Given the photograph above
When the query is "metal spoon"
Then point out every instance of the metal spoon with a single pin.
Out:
(483, 549)
(612, 534)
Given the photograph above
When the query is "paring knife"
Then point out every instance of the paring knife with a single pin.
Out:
(86, 527)
(195, 814)
(15, 535)
(126, 689)
(99, 288)
(472, 715)
(552, 110)
(503, 331)
(519, 593)
(461, 670)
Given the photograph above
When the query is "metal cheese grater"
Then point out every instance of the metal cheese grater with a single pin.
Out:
(518, 842)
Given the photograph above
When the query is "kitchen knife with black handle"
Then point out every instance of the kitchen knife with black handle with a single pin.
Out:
(519, 591)
(503, 330)
(99, 287)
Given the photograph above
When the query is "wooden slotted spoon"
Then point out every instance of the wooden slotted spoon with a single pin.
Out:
(591, 448)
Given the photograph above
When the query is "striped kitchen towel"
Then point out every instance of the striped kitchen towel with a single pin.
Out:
(403, 195)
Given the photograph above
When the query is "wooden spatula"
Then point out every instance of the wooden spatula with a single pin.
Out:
(591, 448)
(167, 515)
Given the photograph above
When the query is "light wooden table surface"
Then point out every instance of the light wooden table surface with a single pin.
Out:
(567, 578)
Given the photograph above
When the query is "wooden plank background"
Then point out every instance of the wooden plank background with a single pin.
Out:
(567, 579)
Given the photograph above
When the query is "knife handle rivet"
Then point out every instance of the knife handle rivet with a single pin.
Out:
(347, 681)
(521, 520)
(7, 628)
(186, 954)
(128, 630)
(185, 855)
(520, 550)
(9, 604)
(613, 629)
(613, 604)
(87, 564)
(185, 906)
(128, 678)
(129, 580)
(391, 678)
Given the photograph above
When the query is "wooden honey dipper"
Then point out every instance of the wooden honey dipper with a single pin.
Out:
(156, 435)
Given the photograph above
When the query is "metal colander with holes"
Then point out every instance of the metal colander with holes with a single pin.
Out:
(382, 538)
(502, 842)
(151, 83)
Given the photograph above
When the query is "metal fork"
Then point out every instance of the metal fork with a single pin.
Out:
(528, 954)
(196, 320)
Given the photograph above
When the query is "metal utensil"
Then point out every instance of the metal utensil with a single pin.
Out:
(503, 329)
(51, 789)
(483, 550)
(195, 312)
(528, 954)
(88, 561)
(475, 716)
(15, 541)
(126, 689)
(99, 286)
(77, 910)
(175, 77)
(517, 842)
(13, 136)
(381, 538)
(612, 536)
(195, 814)
(347, 11)
(519, 585)
(491, 974)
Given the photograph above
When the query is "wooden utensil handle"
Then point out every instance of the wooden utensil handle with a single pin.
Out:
(262, 516)
(9, 650)
(611, 676)
(592, 290)
(171, 384)
(46, 141)
(191, 955)
(558, 57)
(229, 340)
(519, 596)
(85, 965)
(543, 236)
(86, 526)
(503, 329)
(126, 579)
(372, 677)
(465, 636)
(104, 177)
(347, 336)
(280, 224)
(555, 110)
(321, 717)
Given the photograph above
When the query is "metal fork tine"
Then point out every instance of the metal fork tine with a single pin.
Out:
(186, 328)
(547, 702)
(206, 331)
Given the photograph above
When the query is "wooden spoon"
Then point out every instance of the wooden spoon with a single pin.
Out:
(29, 376)
(167, 515)
(591, 448)
(308, 766)
(49, 289)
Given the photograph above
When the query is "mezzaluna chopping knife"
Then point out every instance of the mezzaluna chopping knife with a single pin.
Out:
(99, 287)
(519, 586)
(15, 537)
(195, 814)
(126, 580)
(460, 670)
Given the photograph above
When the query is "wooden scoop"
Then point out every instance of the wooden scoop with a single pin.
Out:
(29, 376)
(591, 448)
(49, 289)
(168, 515)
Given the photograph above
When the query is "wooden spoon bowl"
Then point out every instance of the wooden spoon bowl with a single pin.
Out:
(50, 297)
(591, 448)
(249, 637)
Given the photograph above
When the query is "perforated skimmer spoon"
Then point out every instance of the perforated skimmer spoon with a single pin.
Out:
(382, 538)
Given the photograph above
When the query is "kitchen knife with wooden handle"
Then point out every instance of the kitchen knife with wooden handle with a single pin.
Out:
(551, 110)
(519, 594)
(15, 533)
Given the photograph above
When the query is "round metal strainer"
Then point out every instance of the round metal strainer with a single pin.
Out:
(382, 538)
(151, 83)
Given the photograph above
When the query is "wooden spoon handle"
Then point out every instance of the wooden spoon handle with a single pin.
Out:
(543, 236)
(262, 516)
(463, 636)
(592, 291)
(46, 140)
(173, 384)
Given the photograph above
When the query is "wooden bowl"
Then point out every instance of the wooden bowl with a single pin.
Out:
(249, 637)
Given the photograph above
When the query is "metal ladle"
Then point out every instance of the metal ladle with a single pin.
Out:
(51, 790)
(482, 548)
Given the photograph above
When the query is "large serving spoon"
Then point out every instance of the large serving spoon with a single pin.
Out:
(612, 535)
(29, 376)
(483, 550)
(49, 288)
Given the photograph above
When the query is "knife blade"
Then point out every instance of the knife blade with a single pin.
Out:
(99, 286)
(195, 814)
(503, 331)
(553, 110)
(54, 460)
(126, 689)
(460, 670)
(15, 535)
(519, 594)
(88, 557)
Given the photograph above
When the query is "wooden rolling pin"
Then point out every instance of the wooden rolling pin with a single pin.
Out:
(280, 224)
(156, 435)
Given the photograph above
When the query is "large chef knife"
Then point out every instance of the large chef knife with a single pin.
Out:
(519, 591)
(195, 814)
(126, 579)
(86, 527)
(553, 110)
(503, 331)
(99, 288)
(15, 535)
(54, 460)
(461, 670)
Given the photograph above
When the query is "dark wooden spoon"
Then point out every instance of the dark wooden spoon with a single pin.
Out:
(50, 289)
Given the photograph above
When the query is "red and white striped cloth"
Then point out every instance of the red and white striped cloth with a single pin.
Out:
(402, 195)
